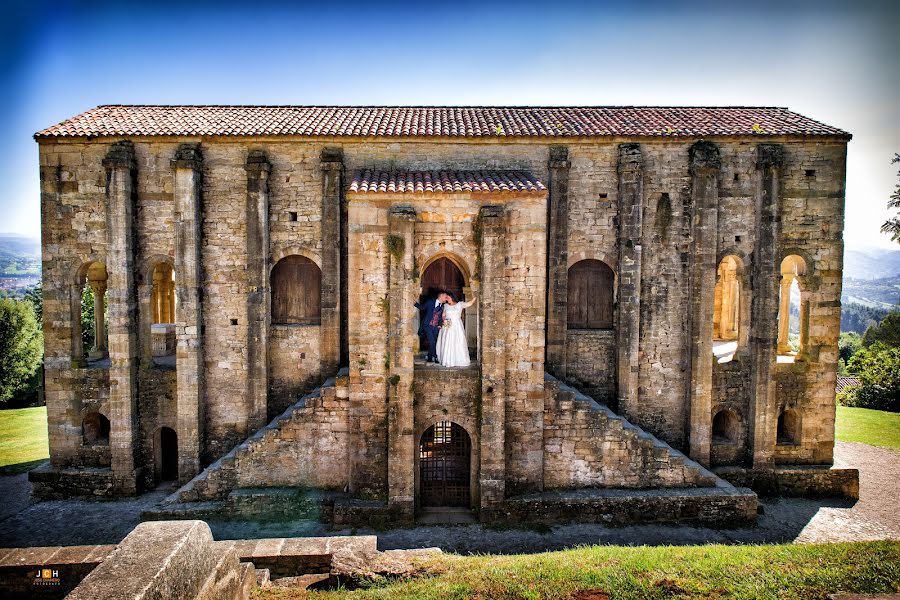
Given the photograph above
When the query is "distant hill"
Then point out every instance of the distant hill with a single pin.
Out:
(871, 263)
(20, 261)
(19, 246)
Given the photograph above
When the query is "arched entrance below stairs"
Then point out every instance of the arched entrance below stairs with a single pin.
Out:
(445, 454)
(166, 454)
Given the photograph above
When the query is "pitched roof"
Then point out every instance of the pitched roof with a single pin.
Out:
(435, 182)
(844, 383)
(437, 121)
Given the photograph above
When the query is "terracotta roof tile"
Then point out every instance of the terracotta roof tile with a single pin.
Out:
(444, 182)
(845, 383)
(437, 121)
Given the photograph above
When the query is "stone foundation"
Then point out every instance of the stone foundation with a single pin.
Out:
(807, 481)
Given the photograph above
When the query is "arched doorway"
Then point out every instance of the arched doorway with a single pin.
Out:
(441, 275)
(444, 466)
(167, 455)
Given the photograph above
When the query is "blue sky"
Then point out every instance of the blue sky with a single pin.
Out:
(833, 61)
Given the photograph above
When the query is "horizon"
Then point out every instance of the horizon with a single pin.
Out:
(823, 60)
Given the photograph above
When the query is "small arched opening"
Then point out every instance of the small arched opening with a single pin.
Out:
(445, 454)
(788, 428)
(725, 427)
(95, 429)
(166, 454)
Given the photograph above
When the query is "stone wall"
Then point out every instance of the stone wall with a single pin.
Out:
(586, 445)
(591, 363)
(809, 194)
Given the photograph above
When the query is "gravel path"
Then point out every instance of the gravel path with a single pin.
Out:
(875, 516)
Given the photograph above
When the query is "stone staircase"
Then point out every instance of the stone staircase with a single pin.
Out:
(267, 466)
(589, 446)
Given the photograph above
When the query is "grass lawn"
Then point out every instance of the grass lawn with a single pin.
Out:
(600, 572)
(23, 439)
(874, 427)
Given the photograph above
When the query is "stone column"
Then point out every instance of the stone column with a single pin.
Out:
(332, 192)
(784, 314)
(492, 475)
(803, 346)
(189, 328)
(100, 349)
(557, 260)
(258, 297)
(628, 330)
(75, 291)
(123, 345)
(704, 157)
(401, 338)
(765, 278)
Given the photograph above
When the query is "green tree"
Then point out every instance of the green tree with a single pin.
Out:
(87, 319)
(35, 295)
(892, 225)
(878, 368)
(848, 344)
(21, 346)
(886, 332)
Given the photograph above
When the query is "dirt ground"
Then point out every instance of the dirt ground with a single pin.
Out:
(875, 516)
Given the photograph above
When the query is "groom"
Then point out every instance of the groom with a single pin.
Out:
(431, 323)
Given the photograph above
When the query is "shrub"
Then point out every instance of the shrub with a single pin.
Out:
(21, 347)
(878, 368)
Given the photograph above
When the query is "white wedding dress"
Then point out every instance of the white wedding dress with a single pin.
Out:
(452, 348)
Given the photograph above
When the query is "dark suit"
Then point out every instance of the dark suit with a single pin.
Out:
(431, 325)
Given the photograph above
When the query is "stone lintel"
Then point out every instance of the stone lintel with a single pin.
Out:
(120, 155)
(332, 158)
(188, 156)
(704, 157)
(258, 161)
(630, 157)
(559, 157)
(769, 155)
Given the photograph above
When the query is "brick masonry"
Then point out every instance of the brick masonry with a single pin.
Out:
(223, 211)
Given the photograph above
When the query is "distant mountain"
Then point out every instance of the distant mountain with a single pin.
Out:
(871, 263)
(19, 246)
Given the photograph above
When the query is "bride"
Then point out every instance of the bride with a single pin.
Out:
(452, 349)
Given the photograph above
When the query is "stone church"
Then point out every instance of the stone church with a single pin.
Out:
(252, 270)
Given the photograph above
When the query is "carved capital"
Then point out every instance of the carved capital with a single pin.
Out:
(769, 155)
(630, 157)
(704, 157)
(120, 156)
(559, 157)
(492, 216)
(403, 211)
(332, 159)
(258, 163)
(188, 156)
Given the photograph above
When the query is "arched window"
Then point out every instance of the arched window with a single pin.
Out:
(95, 429)
(162, 311)
(727, 308)
(296, 291)
(725, 427)
(788, 427)
(162, 298)
(89, 314)
(793, 310)
(590, 298)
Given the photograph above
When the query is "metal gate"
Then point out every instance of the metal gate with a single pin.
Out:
(444, 456)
